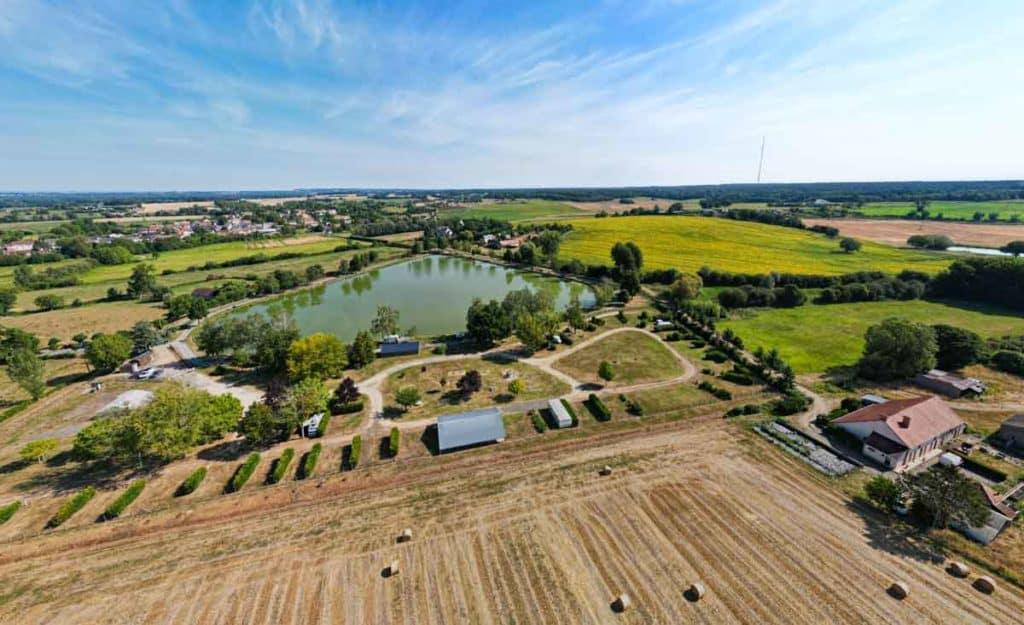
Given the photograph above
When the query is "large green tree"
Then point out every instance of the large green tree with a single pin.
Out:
(142, 283)
(145, 336)
(385, 322)
(106, 352)
(13, 339)
(686, 287)
(957, 347)
(488, 323)
(26, 369)
(319, 356)
(942, 496)
(363, 350)
(273, 342)
(897, 349)
(7, 299)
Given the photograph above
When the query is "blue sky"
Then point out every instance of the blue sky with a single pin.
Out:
(260, 94)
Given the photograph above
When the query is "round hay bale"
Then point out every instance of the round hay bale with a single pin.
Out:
(405, 536)
(393, 568)
(622, 603)
(605, 470)
(899, 590)
(695, 592)
(985, 584)
(958, 569)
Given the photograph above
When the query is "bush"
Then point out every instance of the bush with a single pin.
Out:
(738, 377)
(349, 408)
(309, 462)
(718, 392)
(322, 428)
(571, 411)
(243, 473)
(673, 337)
(633, 408)
(597, 408)
(715, 355)
(791, 403)
(280, 466)
(117, 506)
(191, 483)
(72, 506)
(8, 511)
(538, 422)
(355, 450)
(394, 439)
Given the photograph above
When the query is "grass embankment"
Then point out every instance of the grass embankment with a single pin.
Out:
(949, 210)
(689, 243)
(635, 358)
(814, 338)
(518, 210)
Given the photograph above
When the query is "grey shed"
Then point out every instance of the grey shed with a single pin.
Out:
(455, 431)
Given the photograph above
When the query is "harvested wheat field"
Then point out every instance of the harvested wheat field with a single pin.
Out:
(897, 231)
(517, 533)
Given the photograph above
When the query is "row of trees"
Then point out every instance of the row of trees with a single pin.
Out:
(529, 315)
(897, 349)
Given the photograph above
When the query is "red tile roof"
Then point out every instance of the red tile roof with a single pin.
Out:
(996, 501)
(909, 421)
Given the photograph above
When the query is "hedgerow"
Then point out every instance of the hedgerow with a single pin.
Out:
(355, 449)
(309, 462)
(393, 442)
(191, 483)
(349, 408)
(718, 392)
(322, 428)
(243, 473)
(597, 408)
(738, 377)
(72, 506)
(8, 511)
(117, 506)
(280, 466)
(572, 413)
(538, 422)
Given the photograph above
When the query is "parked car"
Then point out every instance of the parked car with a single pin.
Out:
(148, 374)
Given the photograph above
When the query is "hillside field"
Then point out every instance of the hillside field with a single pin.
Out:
(519, 210)
(689, 243)
(949, 210)
(813, 338)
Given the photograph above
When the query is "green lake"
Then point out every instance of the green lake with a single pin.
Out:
(430, 293)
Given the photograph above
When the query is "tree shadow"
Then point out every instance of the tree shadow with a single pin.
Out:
(896, 538)
(73, 477)
(430, 441)
(392, 412)
(502, 356)
(384, 448)
(226, 450)
(14, 465)
(504, 398)
(70, 378)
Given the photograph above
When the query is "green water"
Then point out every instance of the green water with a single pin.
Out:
(431, 295)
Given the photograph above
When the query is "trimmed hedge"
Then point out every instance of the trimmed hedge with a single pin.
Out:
(280, 466)
(538, 422)
(72, 506)
(572, 413)
(349, 408)
(309, 462)
(393, 441)
(243, 473)
(191, 482)
(322, 428)
(716, 355)
(117, 506)
(718, 392)
(597, 408)
(355, 450)
(8, 511)
(738, 377)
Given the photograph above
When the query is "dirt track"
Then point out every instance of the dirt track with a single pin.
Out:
(514, 533)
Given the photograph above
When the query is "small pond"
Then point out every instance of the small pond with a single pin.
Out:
(430, 293)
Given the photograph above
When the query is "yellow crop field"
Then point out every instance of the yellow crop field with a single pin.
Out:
(689, 243)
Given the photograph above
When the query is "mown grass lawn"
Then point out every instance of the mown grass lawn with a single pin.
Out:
(814, 338)
(949, 210)
(635, 358)
(516, 210)
(689, 243)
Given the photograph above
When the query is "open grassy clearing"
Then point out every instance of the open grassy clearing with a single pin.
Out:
(635, 358)
(689, 243)
(58, 370)
(32, 226)
(815, 338)
(518, 210)
(897, 231)
(103, 317)
(949, 210)
(437, 385)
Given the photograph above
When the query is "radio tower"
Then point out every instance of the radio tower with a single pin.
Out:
(760, 163)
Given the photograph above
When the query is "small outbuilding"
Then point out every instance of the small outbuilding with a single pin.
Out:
(949, 384)
(468, 429)
(1011, 433)
(1000, 514)
(311, 426)
(402, 348)
(559, 413)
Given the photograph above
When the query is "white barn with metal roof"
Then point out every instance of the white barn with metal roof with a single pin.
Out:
(560, 414)
(466, 429)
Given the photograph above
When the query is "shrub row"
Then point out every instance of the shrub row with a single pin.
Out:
(117, 506)
(349, 408)
(393, 441)
(747, 409)
(718, 392)
(538, 422)
(276, 472)
(597, 408)
(632, 407)
(322, 428)
(715, 355)
(191, 482)
(72, 506)
(738, 377)
(790, 403)
(309, 462)
(243, 473)
(355, 450)
(571, 411)
(8, 511)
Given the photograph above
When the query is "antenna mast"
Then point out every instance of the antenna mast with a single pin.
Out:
(760, 163)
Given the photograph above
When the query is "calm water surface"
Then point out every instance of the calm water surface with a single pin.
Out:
(431, 294)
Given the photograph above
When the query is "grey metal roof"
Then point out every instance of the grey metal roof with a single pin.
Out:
(469, 428)
(559, 412)
(399, 349)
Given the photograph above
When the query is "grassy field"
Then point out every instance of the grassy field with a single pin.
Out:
(67, 322)
(57, 370)
(32, 226)
(689, 243)
(814, 338)
(635, 358)
(949, 210)
(519, 210)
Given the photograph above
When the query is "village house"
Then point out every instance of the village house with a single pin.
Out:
(949, 384)
(902, 433)
(19, 248)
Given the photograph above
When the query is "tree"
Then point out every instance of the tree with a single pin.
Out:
(260, 425)
(943, 496)
(883, 492)
(789, 296)
(548, 242)
(470, 382)
(516, 387)
(314, 272)
(145, 336)
(1013, 247)
(605, 371)
(39, 450)
(850, 245)
(386, 321)
(26, 369)
(53, 343)
(142, 282)
(627, 257)
(106, 352)
(957, 347)
(13, 339)
(273, 341)
(407, 396)
(319, 356)
(49, 302)
(303, 400)
(488, 323)
(346, 393)
(573, 314)
(363, 350)
(7, 299)
(197, 308)
(177, 306)
(897, 349)
(533, 329)
(686, 287)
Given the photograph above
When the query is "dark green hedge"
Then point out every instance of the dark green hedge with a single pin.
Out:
(243, 473)
(322, 428)
(280, 466)
(355, 450)
(117, 506)
(8, 511)
(572, 413)
(191, 483)
(538, 421)
(349, 408)
(309, 462)
(597, 408)
(72, 506)
(393, 442)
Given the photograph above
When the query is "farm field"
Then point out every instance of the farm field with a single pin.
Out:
(104, 317)
(519, 210)
(689, 243)
(56, 370)
(32, 226)
(694, 500)
(897, 231)
(949, 210)
(813, 338)
(635, 358)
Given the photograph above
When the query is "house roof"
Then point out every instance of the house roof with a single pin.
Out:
(909, 422)
(960, 383)
(395, 349)
(561, 415)
(995, 501)
(469, 428)
(883, 444)
(1016, 420)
